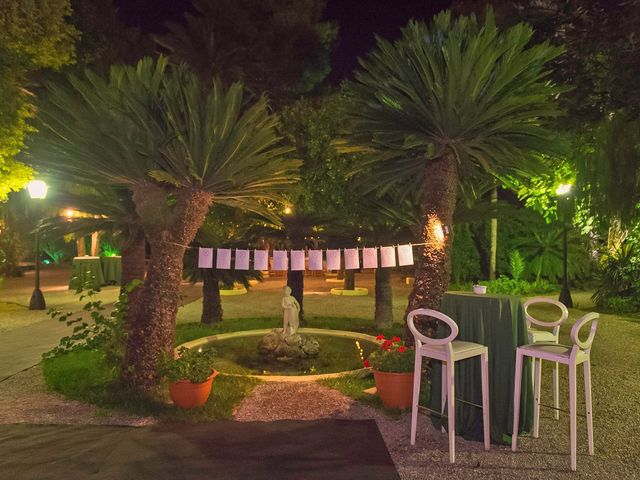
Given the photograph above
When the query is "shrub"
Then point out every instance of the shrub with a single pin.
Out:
(511, 286)
(103, 333)
(194, 365)
(619, 279)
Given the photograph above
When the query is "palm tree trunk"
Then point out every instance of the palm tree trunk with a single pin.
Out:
(349, 280)
(494, 238)
(211, 300)
(433, 270)
(384, 298)
(153, 309)
(133, 258)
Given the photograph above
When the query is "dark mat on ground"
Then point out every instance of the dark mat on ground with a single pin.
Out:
(300, 450)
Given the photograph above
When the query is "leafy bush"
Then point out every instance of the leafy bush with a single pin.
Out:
(393, 356)
(103, 333)
(12, 250)
(621, 304)
(618, 280)
(512, 286)
(194, 365)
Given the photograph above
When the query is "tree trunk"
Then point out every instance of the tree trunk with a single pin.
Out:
(153, 309)
(349, 280)
(494, 238)
(295, 280)
(384, 298)
(211, 300)
(133, 258)
(433, 269)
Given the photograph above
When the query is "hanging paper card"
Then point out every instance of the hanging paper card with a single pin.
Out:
(242, 259)
(297, 260)
(315, 259)
(223, 258)
(205, 257)
(405, 255)
(369, 258)
(261, 259)
(280, 260)
(351, 259)
(387, 257)
(333, 259)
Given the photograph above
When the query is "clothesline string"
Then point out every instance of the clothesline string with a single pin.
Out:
(325, 249)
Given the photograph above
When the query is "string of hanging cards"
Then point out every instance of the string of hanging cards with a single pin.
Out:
(313, 259)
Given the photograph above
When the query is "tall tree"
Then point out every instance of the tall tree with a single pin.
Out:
(447, 102)
(33, 35)
(277, 46)
(177, 150)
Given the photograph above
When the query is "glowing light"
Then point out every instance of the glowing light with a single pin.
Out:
(563, 189)
(37, 189)
(438, 231)
(288, 210)
(69, 213)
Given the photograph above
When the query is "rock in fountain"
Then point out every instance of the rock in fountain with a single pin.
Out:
(286, 346)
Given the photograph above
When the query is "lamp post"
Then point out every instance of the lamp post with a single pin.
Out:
(563, 212)
(37, 191)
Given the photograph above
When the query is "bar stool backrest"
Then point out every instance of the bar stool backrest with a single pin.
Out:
(423, 339)
(584, 345)
(564, 314)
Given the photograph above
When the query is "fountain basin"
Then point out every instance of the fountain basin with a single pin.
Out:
(339, 355)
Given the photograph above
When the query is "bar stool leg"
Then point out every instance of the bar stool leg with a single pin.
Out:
(451, 411)
(443, 390)
(556, 391)
(417, 374)
(587, 394)
(537, 380)
(486, 423)
(572, 413)
(516, 400)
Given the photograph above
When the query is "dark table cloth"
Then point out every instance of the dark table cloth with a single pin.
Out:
(497, 321)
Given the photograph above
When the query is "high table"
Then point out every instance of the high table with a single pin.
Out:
(86, 272)
(497, 321)
(111, 269)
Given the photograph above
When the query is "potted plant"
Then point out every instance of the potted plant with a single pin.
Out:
(392, 368)
(190, 376)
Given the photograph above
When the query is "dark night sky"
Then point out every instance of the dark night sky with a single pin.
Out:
(359, 20)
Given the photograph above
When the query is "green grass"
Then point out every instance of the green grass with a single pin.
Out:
(84, 375)
(354, 386)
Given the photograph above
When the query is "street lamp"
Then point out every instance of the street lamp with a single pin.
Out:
(38, 191)
(563, 191)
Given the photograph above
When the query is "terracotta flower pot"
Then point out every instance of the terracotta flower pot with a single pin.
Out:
(395, 389)
(185, 394)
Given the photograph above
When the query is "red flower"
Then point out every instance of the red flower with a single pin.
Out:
(386, 345)
(366, 363)
(380, 337)
(396, 339)
(402, 349)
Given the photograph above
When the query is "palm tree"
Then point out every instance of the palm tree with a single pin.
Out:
(178, 148)
(443, 104)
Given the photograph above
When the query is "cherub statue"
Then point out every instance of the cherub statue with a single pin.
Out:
(291, 312)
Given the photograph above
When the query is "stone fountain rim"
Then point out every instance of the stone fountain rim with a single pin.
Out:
(199, 342)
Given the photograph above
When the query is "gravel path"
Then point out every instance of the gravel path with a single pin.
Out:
(544, 458)
(25, 399)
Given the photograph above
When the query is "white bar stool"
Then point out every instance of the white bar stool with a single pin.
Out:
(448, 351)
(579, 353)
(537, 335)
